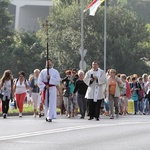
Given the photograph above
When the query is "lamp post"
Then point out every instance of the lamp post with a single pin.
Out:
(82, 51)
(105, 35)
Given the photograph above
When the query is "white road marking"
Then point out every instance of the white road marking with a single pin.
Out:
(60, 130)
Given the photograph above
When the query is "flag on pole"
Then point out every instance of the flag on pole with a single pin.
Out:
(94, 6)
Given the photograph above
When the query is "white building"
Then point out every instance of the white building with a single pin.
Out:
(27, 12)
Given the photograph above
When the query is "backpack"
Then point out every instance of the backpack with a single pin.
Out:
(17, 81)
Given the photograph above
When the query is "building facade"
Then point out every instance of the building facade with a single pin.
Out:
(26, 13)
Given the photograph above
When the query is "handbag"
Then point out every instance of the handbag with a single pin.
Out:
(66, 92)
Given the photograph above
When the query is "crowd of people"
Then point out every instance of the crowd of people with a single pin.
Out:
(89, 94)
(106, 94)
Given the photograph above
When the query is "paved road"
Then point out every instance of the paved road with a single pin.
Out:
(126, 133)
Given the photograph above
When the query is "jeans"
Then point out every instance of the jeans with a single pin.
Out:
(65, 101)
(71, 104)
(146, 105)
(5, 106)
(140, 105)
(136, 106)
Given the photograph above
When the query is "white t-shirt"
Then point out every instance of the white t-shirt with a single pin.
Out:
(20, 88)
(6, 89)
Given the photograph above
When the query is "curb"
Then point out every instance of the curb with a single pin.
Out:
(24, 114)
(16, 114)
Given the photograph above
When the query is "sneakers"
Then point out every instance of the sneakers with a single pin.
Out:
(4, 116)
(140, 113)
(40, 115)
(48, 120)
(72, 114)
(117, 116)
(34, 115)
(69, 115)
(111, 117)
(66, 113)
(82, 117)
(20, 114)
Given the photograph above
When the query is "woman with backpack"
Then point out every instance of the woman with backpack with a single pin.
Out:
(6, 87)
(20, 89)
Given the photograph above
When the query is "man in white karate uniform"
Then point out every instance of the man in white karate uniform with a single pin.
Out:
(95, 80)
(50, 99)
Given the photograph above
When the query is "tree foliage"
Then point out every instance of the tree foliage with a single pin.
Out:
(141, 7)
(25, 53)
(5, 21)
(64, 36)
(128, 36)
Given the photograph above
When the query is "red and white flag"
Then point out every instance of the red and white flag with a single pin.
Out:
(94, 6)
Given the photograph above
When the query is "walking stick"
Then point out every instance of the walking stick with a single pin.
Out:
(47, 54)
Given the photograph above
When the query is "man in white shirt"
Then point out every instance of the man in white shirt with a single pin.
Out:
(48, 81)
(95, 79)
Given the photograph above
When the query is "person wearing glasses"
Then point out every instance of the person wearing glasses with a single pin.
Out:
(20, 89)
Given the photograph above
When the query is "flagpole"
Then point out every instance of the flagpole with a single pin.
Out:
(105, 36)
(82, 51)
(82, 34)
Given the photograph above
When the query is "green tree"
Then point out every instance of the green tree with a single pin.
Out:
(25, 53)
(5, 34)
(64, 36)
(5, 21)
(141, 7)
(127, 38)
(125, 34)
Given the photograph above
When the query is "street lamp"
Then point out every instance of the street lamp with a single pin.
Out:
(105, 35)
(82, 51)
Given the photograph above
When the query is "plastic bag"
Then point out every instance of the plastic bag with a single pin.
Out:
(13, 104)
